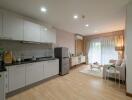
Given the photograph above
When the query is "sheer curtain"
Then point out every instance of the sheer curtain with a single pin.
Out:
(102, 50)
(94, 54)
(108, 50)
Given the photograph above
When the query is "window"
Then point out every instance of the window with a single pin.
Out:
(95, 52)
(102, 50)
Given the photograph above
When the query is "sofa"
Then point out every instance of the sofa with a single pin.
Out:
(120, 65)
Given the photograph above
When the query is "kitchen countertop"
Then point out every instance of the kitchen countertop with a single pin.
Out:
(31, 61)
(2, 69)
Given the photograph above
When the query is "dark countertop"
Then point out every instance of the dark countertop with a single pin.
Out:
(2, 69)
(30, 61)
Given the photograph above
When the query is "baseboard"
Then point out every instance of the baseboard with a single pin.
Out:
(129, 94)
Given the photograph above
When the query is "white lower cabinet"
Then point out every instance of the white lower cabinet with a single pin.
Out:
(19, 76)
(83, 59)
(51, 68)
(74, 61)
(2, 90)
(16, 77)
(34, 72)
(6, 81)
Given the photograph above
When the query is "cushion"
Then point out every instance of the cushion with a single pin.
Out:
(118, 63)
(123, 64)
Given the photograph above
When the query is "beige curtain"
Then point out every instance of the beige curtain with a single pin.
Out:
(86, 48)
(119, 41)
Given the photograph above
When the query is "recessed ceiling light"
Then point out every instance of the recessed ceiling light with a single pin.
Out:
(43, 9)
(75, 16)
(95, 31)
(87, 25)
(45, 29)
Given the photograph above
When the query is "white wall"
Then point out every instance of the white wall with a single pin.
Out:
(128, 51)
(65, 39)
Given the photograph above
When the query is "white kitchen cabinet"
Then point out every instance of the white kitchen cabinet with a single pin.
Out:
(48, 35)
(52, 36)
(16, 27)
(31, 31)
(2, 86)
(19, 76)
(16, 77)
(74, 61)
(51, 68)
(44, 35)
(1, 23)
(6, 81)
(34, 72)
(12, 26)
(83, 59)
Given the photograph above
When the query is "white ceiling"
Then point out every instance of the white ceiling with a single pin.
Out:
(101, 15)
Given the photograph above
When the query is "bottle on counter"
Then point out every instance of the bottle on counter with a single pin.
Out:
(8, 57)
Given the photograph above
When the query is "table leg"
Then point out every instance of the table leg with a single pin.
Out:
(115, 78)
(119, 79)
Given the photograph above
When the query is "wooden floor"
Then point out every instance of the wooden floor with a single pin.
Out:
(74, 86)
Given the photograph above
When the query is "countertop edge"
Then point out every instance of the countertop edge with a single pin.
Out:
(29, 62)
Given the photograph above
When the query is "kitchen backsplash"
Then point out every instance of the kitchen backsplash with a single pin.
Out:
(27, 50)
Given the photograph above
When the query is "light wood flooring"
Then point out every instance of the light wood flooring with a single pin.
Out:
(74, 86)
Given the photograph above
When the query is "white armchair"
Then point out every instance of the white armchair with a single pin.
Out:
(119, 66)
(122, 69)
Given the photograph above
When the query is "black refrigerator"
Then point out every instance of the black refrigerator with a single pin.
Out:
(62, 54)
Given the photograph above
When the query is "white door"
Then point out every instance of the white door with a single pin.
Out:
(34, 72)
(13, 26)
(31, 31)
(51, 68)
(16, 77)
(1, 23)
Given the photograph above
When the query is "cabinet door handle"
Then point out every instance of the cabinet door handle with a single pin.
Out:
(6, 86)
(6, 75)
(19, 65)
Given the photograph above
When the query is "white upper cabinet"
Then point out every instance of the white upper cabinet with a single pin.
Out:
(1, 23)
(12, 26)
(44, 34)
(48, 35)
(52, 35)
(31, 31)
(16, 27)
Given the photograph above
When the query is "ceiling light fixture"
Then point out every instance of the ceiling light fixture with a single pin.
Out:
(95, 31)
(87, 25)
(43, 9)
(45, 29)
(75, 16)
